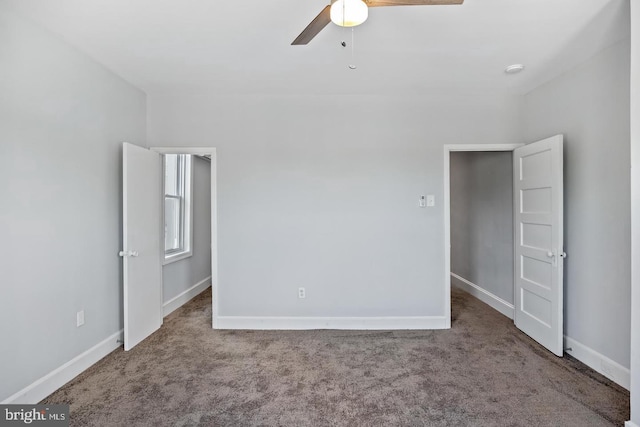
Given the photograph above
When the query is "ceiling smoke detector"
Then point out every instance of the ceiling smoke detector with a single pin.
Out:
(514, 69)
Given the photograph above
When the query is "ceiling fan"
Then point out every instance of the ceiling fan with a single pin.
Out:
(349, 13)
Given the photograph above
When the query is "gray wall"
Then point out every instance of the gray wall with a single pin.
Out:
(179, 276)
(62, 120)
(590, 106)
(635, 219)
(482, 220)
(322, 192)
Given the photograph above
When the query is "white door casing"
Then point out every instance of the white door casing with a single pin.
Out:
(142, 229)
(538, 240)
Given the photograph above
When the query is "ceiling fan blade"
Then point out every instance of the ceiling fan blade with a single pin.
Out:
(378, 3)
(318, 23)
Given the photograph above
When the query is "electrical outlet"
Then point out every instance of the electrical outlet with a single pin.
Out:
(301, 293)
(80, 318)
(431, 200)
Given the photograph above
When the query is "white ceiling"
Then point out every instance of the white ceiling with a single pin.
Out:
(243, 46)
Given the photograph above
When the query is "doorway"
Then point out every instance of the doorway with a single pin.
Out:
(448, 150)
(202, 156)
(481, 194)
(538, 244)
(143, 240)
(186, 269)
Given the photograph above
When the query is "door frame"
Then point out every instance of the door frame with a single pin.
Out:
(205, 151)
(448, 149)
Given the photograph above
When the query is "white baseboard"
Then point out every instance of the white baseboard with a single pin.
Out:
(630, 424)
(483, 295)
(598, 362)
(184, 297)
(55, 379)
(302, 323)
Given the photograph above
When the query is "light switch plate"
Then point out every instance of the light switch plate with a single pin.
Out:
(80, 318)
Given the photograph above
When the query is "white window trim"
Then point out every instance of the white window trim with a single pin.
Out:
(188, 207)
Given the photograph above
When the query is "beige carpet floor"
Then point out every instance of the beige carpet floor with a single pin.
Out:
(481, 372)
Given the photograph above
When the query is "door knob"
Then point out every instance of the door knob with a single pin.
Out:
(550, 254)
(128, 253)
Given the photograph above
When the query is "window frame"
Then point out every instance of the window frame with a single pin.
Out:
(185, 187)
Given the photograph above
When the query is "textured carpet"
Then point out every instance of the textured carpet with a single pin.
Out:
(482, 372)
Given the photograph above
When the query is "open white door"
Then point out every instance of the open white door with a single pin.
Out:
(539, 256)
(142, 228)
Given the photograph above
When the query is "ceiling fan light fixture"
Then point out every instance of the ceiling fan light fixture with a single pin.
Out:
(349, 13)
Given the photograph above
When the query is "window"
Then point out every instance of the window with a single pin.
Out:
(177, 207)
